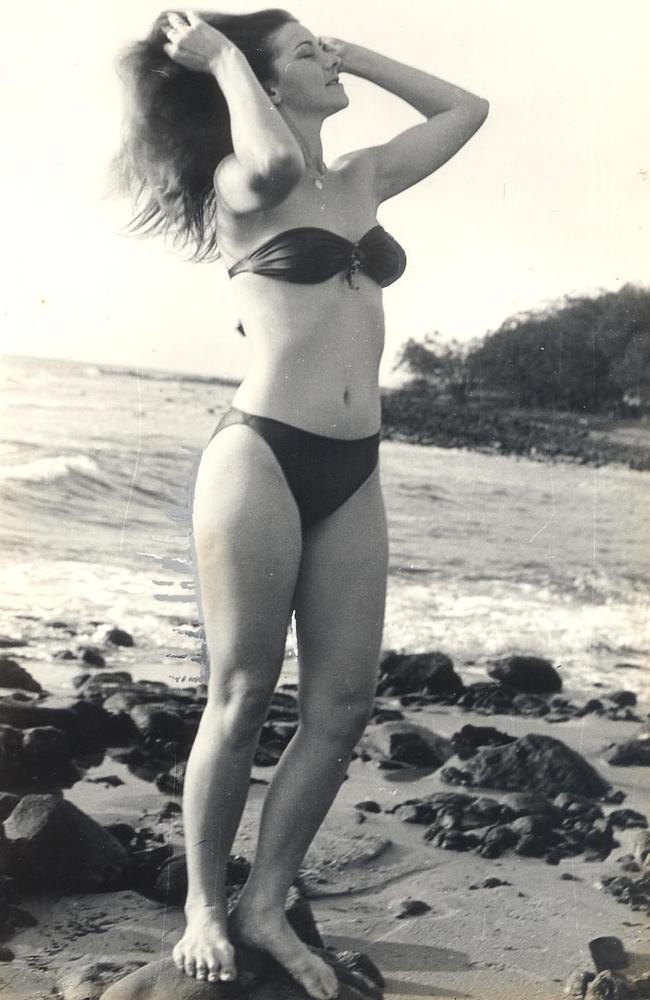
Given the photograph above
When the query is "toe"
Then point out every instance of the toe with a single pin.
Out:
(190, 967)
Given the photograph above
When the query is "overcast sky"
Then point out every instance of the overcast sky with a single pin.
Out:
(552, 197)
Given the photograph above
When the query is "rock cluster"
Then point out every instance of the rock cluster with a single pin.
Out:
(520, 685)
(531, 825)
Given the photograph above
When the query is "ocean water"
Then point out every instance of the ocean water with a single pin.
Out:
(489, 554)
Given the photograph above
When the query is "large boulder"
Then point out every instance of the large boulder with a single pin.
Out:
(12, 675)
(85, 724)
(430, 674)
(259, 978)
(87, 979)
(528, 674)
(56, 846)
(533, 763)
(35, 759)
(406, 743)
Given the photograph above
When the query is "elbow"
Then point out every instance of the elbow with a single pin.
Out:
(480, 109)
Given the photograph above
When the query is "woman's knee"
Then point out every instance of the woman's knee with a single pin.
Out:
(340, 721)
(238, 704)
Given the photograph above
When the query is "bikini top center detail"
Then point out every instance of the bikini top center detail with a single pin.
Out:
(309, 255)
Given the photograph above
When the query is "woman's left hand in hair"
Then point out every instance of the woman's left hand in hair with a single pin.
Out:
(192, 42)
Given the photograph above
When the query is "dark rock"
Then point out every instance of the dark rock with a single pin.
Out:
(488, 698)
(593, 705)
(106, 680)
(12, 675)
(634, 752)
(577, 984)
(632, 891)
(533, 825)
(169, 810)
(407, 743)
(93, 657)
(123, 832)
(576, 805)
(452, 840)
(119, 637)
(614, 798)
(627, 819)
(411, 908)
(492, 882)
(530, 704)
(14, 919)
(6, 954)
(426, 810)
(259, 978)
(35, 759)
(156, 721)
(64, 654)
(412, 673)
(496, 840)
(484, 811)
(622, 698)
(532, 845)
(171, 782)
(529, 674)
(57, 846)
(467, 740)
(283, 707)
(110, 780)
(368, 805)
(609, 986)
(525, 804)
(84, 723)
(533, 763)
(608, 953)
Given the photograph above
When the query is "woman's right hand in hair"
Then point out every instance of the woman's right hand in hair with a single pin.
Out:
(193, 43)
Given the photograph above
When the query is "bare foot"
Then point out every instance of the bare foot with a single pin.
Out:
(270, 931)
(204, 951)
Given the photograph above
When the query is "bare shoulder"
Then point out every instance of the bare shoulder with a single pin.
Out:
(357, 162)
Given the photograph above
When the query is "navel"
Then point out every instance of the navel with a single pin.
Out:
(346, 397)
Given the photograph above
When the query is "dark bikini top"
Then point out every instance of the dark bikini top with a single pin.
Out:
(308, 255)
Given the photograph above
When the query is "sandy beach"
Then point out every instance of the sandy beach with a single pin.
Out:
(519, 939)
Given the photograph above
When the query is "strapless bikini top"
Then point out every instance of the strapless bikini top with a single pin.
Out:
(308, 255)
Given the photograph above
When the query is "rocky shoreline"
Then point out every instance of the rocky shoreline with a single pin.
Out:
(410, 414)
(529, 796)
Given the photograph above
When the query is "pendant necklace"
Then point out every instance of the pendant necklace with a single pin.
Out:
(320, 177)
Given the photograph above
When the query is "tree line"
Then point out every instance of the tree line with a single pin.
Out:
(583, 353)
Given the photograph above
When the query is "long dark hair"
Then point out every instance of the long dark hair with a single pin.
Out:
(177, 129)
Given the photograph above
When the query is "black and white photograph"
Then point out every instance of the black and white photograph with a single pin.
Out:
(324, 501)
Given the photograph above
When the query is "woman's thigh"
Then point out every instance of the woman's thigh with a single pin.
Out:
(247, 544)
(340, 600)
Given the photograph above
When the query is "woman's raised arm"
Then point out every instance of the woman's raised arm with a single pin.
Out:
(267, 160)
(453, 116)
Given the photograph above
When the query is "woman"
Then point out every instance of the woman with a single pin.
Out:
(288, 512)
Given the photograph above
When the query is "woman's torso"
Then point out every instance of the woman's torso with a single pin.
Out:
(315, 348)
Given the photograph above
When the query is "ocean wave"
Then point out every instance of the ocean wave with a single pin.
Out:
(45, 469)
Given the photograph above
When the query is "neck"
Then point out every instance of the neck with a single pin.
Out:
(307, 132)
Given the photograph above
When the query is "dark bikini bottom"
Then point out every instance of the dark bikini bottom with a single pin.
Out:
(321, 472)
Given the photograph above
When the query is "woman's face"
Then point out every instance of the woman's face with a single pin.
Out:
(306, 75)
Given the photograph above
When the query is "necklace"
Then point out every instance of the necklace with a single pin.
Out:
(320, 176)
